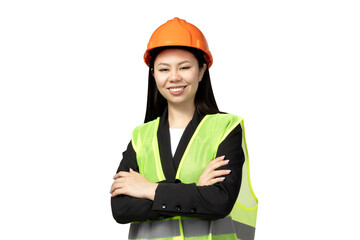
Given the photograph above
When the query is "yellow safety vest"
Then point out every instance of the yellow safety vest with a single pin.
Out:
(202, 148)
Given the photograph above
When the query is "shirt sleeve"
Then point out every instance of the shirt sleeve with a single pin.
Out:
(206, 202)
(127, 209)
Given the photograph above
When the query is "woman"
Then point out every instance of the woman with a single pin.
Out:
(182, 174)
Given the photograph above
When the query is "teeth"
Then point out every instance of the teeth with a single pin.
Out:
(176, 89)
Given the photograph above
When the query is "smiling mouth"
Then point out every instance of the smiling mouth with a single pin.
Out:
(177, 89)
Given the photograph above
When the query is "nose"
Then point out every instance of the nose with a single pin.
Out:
(175, 76)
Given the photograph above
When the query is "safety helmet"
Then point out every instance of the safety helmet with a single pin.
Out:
(178, 32)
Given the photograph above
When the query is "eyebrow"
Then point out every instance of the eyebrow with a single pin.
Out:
(166, 64)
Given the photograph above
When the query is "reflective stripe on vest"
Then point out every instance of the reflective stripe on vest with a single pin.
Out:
(201, 149)
(191, 228)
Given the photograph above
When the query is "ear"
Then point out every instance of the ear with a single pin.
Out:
(202, 71)
(152, 71)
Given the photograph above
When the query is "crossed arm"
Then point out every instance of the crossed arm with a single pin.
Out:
(134, 198)
(134, 184)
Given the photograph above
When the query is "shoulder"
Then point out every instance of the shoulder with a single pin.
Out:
(225, 118)
(230, 116)
(221, 124)
(144, 131)
(146, 126)
(234, 124)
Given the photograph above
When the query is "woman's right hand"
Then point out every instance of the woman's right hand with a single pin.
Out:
(210, 175)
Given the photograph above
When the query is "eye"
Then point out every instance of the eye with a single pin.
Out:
(163, 70)
(184, 68)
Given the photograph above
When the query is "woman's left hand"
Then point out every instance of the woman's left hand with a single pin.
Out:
(133, 184)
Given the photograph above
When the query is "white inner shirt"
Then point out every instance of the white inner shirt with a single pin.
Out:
(175, 135)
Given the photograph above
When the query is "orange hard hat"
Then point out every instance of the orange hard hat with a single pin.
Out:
(178, 32)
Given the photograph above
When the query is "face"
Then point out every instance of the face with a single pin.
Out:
(177, 75)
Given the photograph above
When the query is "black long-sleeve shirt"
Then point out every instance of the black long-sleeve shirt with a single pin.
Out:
(173, 198)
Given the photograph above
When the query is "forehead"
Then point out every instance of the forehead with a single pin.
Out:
(174, 55)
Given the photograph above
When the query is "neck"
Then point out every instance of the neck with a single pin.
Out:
(180, 116)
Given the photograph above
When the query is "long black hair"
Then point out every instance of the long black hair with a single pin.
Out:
(204, 99)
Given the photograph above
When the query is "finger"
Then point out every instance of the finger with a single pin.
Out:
(116, 185)
(120, 180)
(118, 191)
(121, 174)
(216, 180)
(213, 181)
(132, 171)
(218, 159)
(212, 165)
(217, 164)
(219, 173)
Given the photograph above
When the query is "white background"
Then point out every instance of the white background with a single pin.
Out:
(73, 86)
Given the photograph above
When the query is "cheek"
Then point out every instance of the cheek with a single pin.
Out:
(193, 76)
(196, 86)
(159, 81)
(160, 84)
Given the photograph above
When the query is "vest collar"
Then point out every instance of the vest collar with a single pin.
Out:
(170, 164)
